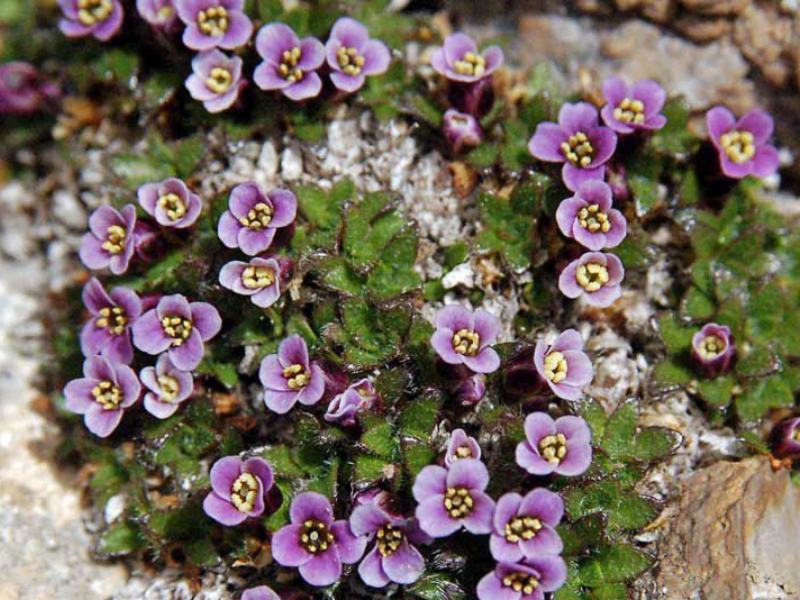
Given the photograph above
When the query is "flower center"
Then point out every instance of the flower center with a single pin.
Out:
(350, 60)
(177, 328)
(522, 528)
(464, 452)
(578, 150)
(244, 492)
(91, 12)
(591, 276)
(796, 434)
(116, 237)
(219, 80)
(593, 219)
(521, 582)
(107, 395)
(711, 347)
(555, 367)
(315, 537)
(112, 318)
(173, 205)
(739, 146)
(389, 540)
(165, 12)
(213, 21)
(458, 502)
(257, 278)
(259, 217)
(630, 111)
(553, 448)
(169, 388)
(288, 68)
(297, 377)
(466, 342)
(470, 64)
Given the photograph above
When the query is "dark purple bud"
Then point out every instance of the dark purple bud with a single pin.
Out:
(786, 438)
(470, 391)
(461, 130)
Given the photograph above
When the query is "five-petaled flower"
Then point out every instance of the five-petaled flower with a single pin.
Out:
(524, 527)
(713, 348)
(464, 338)
(633, 108)
(168, 386)
(289, 377)
(562, 446)
(588, 218)
(178, 327)
(461, 130)
(289, 64)
(450, 499)
(577, 140)
(596, 276)
(216, 80)
(238, 489)
(787, 438)
(316, 543)
(459, 60)
(460, 446)
(110, 242)
(563, 365)
(260, 279)
(170, 202)
(742, 145)
(262, 592)
(527, 580)
(160, 14)
(358, 397)
(107, 331)
(352, 55)
(214, 23)
(102, 394)
(253, 217)
(100, 18)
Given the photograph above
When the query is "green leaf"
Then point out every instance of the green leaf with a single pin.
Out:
(420, 417)
(505, 231)
(697, 305)
(717, 392)
(436, 586)
(188, 153)
(395, 274)
(337, 275)
(138, 169)
(378, 436)
(427, 110)
(761, 396)
(614, 564)
(582, 534)
(674, 137)
(122, 538)
(417, 456)
(483, 156)
(645, 193)
(623, 507)
(370, 468)
(610, 591)
(369, 227)
(669, 373)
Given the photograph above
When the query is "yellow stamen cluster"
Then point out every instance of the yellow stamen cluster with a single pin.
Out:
(116, 237)
(389, 540)
(257, 278)
(464, 452)
(350, 60)
(244, 492)
(553, 448)
(630, 111)
(711, 347)
(288, 68)
(555, 367)
(466, 342)
(92, 12)
(219, 80)
(458, 502)
(112, 318)
(315, 537)
(173, 205)
(591, 276)
(522, 528)
(739, 146)
(259, 217)
(169, 388)
(213, 21)
(470, 64)
(165, 12)
(593, 219)
(796, 434)
(297, 377)
(177, 328)
(107, 395)
(524, 583)
(578, 150)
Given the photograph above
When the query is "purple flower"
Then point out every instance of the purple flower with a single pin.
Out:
(528, 580)
(393, 559)
(525, 527)
(461, 130)
(563, 365)
(160, 14)
(170, 202)
(359, 397)
(261, 592)
(290, 63)
(471, 390)
(562, 446)
(450, 499)
(216, 80)
(596, 276)
(289, 377)
(102, 394)
(461, 447)
(633, 108)
(178, 327)
(168, 387)
(577, 140)
(214, 23)
(252, 218)
(787, 439)
(742, 145)
(110, 241)
(588, 218)
(260, 279)
(464, 337)
(713, 348)
(316, 543)
(459, 60)
(107, 332)
(238, 489)
(352, 55)
(100, 18)
(22, 89)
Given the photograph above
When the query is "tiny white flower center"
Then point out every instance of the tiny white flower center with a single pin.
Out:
(523, 583)
(259, 217)
(470, 64)
(578, 150)
(711, 347)
(458, 502)
(553, 448)
(389, 540)
(116, 237)
(92, 12)
(739, 146)
(315, 537)
(177, 328)
(591, 276)
(112, 318)
(466, 342)
(244, 492)
(630, 111)
(593, 219)
(213, 21)
(169, 388)
(174, 206)
(219, 80)
(257, 278)
(297, 377)
(522, 528)
(107, 395)
(350, 60)
(288, 68)
(555, 367)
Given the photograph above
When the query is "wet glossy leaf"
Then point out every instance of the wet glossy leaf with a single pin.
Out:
(623, 507)
(436, 586)
(614, 564)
